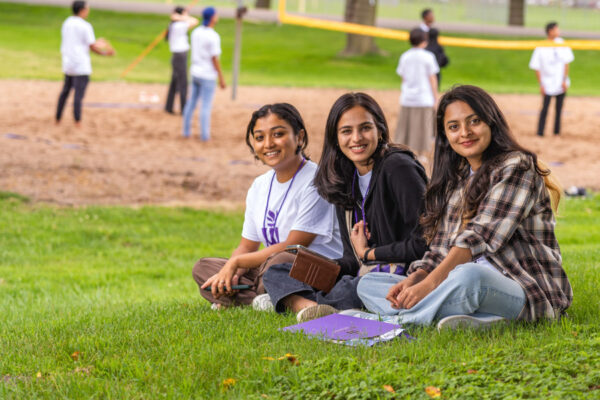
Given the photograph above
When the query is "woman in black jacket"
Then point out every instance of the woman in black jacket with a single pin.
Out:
(378, 191)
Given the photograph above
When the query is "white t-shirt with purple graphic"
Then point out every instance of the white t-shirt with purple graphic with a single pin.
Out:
(303, 210)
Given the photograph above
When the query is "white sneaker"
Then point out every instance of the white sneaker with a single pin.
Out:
(262, 302)
(314, 312)
(469, 321)
(215, 307)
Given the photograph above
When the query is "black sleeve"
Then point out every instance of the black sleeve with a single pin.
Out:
(443, 59)
(406, 181)
(348, 261)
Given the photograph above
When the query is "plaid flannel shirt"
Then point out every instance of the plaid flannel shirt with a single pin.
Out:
(514, 229)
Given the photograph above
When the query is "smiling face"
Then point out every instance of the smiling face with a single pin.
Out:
(357, 137)
(467, 134)
(275, 143)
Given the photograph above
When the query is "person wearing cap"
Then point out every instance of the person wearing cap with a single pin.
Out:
(77, 41)
(205, 70)
(177, 36)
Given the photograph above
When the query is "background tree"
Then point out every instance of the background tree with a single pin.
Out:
(516, 13)
(263, 4)
(360, 12)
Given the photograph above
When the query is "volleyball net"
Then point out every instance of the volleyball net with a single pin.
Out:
(358, 29)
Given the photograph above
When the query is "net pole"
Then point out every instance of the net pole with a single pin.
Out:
(237, 48)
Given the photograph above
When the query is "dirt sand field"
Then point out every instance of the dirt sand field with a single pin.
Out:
(129, 151)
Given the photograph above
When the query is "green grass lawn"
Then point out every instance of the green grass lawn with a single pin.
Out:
(272, 55)
(99, 302)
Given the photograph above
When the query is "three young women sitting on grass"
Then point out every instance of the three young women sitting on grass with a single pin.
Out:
(487, 218)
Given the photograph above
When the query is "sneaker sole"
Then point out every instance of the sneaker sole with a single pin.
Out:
(314, 312)
(466, 321)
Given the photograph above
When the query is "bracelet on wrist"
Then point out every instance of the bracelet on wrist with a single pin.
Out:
(366, 254)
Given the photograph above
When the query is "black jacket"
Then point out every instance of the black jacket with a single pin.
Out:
(439, 53)
(393, 206)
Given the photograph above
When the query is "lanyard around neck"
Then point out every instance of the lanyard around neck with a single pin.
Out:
(364, 198)
(284, 196)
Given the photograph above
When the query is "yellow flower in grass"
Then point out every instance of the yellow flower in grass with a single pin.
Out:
(433, 391)
(229, 383)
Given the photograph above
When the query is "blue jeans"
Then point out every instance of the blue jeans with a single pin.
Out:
(279, 284)
(205, 89)
(471, 289)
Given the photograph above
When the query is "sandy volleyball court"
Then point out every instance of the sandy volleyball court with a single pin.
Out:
(130, 152)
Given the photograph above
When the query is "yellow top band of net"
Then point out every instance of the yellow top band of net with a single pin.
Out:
(366, 30)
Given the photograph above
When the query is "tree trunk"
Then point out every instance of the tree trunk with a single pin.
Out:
(360, 12)
(263, 4)
(516, 13)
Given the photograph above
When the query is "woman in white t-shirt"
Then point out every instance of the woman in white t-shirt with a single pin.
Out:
(282, 208)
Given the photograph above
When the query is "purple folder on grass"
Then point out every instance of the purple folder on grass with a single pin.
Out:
(343, 327)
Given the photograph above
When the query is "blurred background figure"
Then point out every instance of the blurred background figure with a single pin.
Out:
(551, 65)
(177, 36)
(418, 70)
(438, 51)
(205, 70)
(427, 19)
(77, 41)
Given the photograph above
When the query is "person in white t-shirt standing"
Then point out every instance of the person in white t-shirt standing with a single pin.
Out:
(177, 36)
(551, 65)
(418, 69)
(205, 70)
(77, 41)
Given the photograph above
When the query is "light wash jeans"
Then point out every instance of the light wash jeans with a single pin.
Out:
(471, 289)
(205, 89)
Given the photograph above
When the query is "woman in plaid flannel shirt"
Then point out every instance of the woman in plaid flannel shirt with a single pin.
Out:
(489, 222)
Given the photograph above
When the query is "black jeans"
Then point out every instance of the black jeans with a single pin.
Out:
(542, 121)
(179, 81)
(279, 285)
(78, 82)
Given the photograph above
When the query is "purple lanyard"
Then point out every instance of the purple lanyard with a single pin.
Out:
(274, 231)
(362, 206)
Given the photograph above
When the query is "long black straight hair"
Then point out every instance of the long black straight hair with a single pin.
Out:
(449, 168)
(334, 176)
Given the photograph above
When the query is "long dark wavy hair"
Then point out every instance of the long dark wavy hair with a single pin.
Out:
(286, 112)
(449, 168)
(334, 177)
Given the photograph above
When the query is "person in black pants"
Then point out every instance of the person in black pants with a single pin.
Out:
(177, 36)
(79, 84)
(378, 190)
(438, 51)
(551, 66)
(560, 98)
(77, 41)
